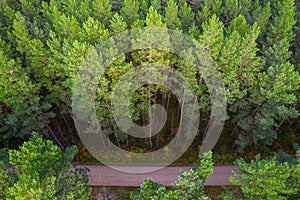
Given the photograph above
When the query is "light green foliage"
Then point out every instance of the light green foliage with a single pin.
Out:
(186, 16)
(25, 111)
(81, 10)
(5, 180)
(43, 171)
(144, 6)
(129, 11)
(171, 15)
(94, 32)
(209, 8)
(273, 101)
(251, 42)
(117, 24)
(190, 184)
(267, 179)
(239, 24)
(240, 62)
(153, 18)
(212, 37)
(102, 10)
(279, 37)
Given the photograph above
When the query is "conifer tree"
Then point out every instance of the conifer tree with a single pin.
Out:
(209, 8)
(150, 55)
(130, 11)
(186, 16)
(231, 9)
(212, 37)
(117, 24)
(261, 15)
(94, 32)
(280, 34)
(296, 43)
(273, 180)
(81, 10)
(156, 4)
(171, 16)
(102, 11)
(144, 6)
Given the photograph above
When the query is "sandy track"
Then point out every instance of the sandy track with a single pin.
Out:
(101, 175)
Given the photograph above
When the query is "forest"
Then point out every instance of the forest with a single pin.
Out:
(254, 46)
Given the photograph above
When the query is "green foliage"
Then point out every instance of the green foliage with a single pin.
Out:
(267, 179)
(43, 171)
(190, 184)
(186, 16)
(129, 11)
(280, 35)
(212, 37)
(156, 4)
(285, 157)
(253, 43)
(171, 15)
(210, 7)
(117, 24)
(296, 43)
(231, 10)
(102, 10)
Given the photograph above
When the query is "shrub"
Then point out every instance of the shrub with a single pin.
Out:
(42, 171)
(267, 179)
(190, 184)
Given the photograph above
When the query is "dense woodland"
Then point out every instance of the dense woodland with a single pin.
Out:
(255, 45)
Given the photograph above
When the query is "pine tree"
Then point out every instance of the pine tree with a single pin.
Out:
(239, 24)
(296, 43)
(171, 16)
(144, 7)
(231, 9)
(130, 11)
(273, 180)
(81, 10)
(25, 110)
(209, 8)
(94, 32)
(280, 34)
(102, 11)
(117, 24)
(186, 16)
(261, 16)
(156, 4)
(212, 38)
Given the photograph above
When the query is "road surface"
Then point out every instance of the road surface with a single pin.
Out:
(101, 175)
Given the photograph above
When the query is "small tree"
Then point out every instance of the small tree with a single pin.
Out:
(186, 16)
(42, 171)
(190, 184)
(267, 179)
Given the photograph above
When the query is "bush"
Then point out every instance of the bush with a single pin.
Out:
(190, 184)
(267, 179)
(42, 171)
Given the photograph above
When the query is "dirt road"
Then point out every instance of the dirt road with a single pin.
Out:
(101, 175)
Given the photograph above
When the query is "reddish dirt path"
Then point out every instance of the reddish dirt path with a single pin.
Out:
(101, 175)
